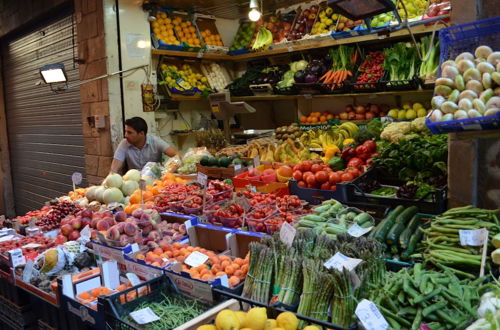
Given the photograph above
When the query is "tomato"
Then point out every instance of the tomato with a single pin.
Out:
(305, 166)
(355, 162)
(340, 172)
(321, 176)
(302, 184)
(325, 186)
(369, 162)
(370, 145)
(346, 177)
(296, 168)
(334, 178)
(354, 172)
(297, 175)
(316, 168)
(312, 186)
(361, 150)
(311, 180)
(306, 174)
(333, 187)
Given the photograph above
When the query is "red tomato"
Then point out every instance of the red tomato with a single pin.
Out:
(334, 178)
(297, 175)
(355, 162)
(305, 166)
(340, 172)
(354, 172)
(325, 186)
(296, 168)
(321, 176)
(311, 180)
(346, 177)
(316, 168)
(333, 187)
(306, 174)
(302, 184)
(370, 145)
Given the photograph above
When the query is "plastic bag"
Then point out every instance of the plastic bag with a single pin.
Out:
(191, 158)
(172, 164)
(151, 170)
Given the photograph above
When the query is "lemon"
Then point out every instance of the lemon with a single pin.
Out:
(241, 316)
(256, 318)
(227, 320)
(417, 106)
(270, 324)
(278, 329)
(393, 113)
(421, 112)
(207, 327)
(411, 114)
(288, 321)
(311, 327)
(401, 115)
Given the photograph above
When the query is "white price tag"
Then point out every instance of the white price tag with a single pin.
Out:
(370, 316)
(256, 161)
(253, 189)
(290, 49)
(142, 184)
(144, 316)
(31, 245)
(339, 261)
(28, 271)
(243, 202)
(196, 259)
(287, 233)
(202, 179)
(76, 178)
(17, 257)
(357, 231)
(113, 205)
(54, 233)
(237, 167)
(473, 237)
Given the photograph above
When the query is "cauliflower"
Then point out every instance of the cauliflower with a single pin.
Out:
(418, 125)
(395, 131)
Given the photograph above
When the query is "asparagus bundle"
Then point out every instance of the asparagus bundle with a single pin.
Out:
(258, 283)
(343, 300)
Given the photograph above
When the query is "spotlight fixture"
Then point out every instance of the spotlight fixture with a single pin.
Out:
(255, 12)
(53, 73)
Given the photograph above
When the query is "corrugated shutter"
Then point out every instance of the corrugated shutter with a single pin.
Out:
(45, 129)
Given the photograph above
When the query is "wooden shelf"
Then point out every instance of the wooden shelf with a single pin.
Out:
(296, 97)
(302, 45)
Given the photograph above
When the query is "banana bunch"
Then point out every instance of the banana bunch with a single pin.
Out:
(265, 153)
(343, 131)
(263, 40)
(317, 138)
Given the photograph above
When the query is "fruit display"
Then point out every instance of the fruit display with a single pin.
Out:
(223, 161)
(52, 219)
(370, 70)
(216, 266)
(211, 39)
(183, 78)
(381, 20)
(364, 112)
(317, 118)
(334, 136)
(409, 111)
(243, 36)
(25, 219)
(212, 139)
(414, 8)
(315, 69)
(31, 246)
(329, 21)
(115, 188)
(186, 31)
(468, 86)
(291, 131)
(255, 318)
(438, 8)
(304, 22)
(280, 25)
(263, 39)
(163, 29)
(218, 77)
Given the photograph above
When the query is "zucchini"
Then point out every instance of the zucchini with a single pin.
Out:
(385, 225)
(412, 245)
(404, 238)
(307, 223)
(400, 224)
(335, 229)
(322, 209)
(363, 218)
(313, 217)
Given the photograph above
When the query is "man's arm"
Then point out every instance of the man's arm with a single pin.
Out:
(116, 166)
(170, 151)
(165, 147)
(119, 158)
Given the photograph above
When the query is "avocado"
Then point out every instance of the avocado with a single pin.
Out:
(212, 161)
(205, 161)
(224, 161)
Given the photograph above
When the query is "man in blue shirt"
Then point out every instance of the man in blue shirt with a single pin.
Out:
(138, 147)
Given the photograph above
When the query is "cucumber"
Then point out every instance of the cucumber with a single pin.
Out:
(322, 209)
(385, 225)
(307, 223)
(400, 224)
(362, 218)
(335, 229)
(404, 238)
(412, 244)
(313, 217)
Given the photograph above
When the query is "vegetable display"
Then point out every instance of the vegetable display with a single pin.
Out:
(370, 71)
(442, 246)
(343, 60)
(401, 61)
(430, 63)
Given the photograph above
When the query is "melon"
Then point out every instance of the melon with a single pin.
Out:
(99, 193)
(91, 193)
(128, 187)
(112, 195)
(113, 180)
(133, 175)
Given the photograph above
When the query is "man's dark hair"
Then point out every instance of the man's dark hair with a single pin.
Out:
(138, 124)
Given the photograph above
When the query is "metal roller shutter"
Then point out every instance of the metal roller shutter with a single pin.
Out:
(44, 128)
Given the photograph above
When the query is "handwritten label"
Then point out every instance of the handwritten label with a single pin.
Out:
(473, 237)
(142, 184)
(17, 257)
(196, 259)
(144, 316)
(370, 316)
(256, 161)
(287, 233)
(357, 231)
(339, 261)
(76, 178)
(202, 179)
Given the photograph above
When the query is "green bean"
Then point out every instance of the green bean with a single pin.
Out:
(432, 308)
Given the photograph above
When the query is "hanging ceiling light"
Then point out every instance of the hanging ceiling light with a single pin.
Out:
(254, 13)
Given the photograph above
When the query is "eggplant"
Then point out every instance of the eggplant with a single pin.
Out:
(299, 76)
(310, 78)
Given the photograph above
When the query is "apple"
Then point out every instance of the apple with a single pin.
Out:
(269, 171)
(66, 229)
(74, 235)
(76, 223)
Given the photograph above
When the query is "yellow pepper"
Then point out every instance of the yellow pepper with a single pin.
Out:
(330, 151)
(348, 141)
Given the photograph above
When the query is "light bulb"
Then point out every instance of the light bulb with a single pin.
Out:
(254, 15)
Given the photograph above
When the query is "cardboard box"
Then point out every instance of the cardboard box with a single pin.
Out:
(240, 240)
(107, 252)
(207, 22)
(220, 172)
(241, 182)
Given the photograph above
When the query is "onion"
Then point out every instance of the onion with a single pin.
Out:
(360, 109)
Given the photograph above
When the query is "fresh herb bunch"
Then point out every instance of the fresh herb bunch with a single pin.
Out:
(401, 61)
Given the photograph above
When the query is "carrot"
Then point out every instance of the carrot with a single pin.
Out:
(349, 73)
(326, 75)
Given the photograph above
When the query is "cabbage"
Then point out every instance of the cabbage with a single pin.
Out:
(301, 65)
(129, 187)
(113, 181)
(134, 175)
(112, 195)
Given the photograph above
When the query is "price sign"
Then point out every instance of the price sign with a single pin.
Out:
(475, 237)
(357, 231)
(370, 316)
(196, 259)
(287, 233)
(256, 161)
(144, 316)
(76, 178)
(28, 271)
(237, 167)
(290, 49)
(340, 261)
(202, 179)
(142, 184)
(17, 257)
(243, 202)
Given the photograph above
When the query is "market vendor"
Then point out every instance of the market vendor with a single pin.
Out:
(139, 147)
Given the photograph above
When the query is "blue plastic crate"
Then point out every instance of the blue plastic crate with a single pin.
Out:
(469, 124)
(357, 31)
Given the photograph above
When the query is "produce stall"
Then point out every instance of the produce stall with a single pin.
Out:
(336, 219)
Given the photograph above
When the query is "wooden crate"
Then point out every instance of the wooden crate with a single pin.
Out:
(209, 316)
(220, 172)
(204, 23)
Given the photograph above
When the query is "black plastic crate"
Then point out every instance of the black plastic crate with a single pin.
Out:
(17, 317)
(291, 90)
(377, 211)
(434, 203)
(116, 311)
(378, 86)
(273, 311)
(49, 316)
(308, 88)
(402, 85)
(12, 293)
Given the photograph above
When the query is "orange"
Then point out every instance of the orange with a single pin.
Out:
(244, 269)
(238, 273)
(216, 268)
(207, 277)
(235, 266)
(225, 264)
(322, 118)
(239, 261)
(85, 295)
(219, 274)
(234, 281)
(229, 270)
(330, 116)
(303, 119)
(140, 256)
